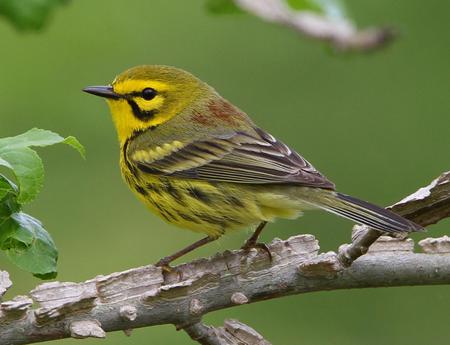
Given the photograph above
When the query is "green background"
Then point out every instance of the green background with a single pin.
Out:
(376, 124)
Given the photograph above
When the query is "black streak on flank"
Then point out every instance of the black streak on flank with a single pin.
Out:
(141, 114)
(164, 216)
(140, 190)
(187, 218)
(154, 188)
(198, 194)
(213, 220)
(129, 179)
(174, 193)
(234, 201)
(233, 221)
(170, 215)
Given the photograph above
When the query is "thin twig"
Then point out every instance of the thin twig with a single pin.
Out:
(341, 33)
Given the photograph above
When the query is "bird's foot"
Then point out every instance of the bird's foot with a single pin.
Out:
(257, 245)
(166, 269)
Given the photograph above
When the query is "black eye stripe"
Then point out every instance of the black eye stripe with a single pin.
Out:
(143, 115)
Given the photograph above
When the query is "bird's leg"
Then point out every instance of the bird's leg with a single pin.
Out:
(252, 241)
(164, 262)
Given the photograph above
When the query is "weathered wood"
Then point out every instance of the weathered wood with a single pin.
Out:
(233, 333)
(427, 206)
(5, 283)
(145, 296)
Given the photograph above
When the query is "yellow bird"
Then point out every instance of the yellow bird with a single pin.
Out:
(199, 162)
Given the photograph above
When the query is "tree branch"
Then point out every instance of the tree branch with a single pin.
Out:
(341, 33)
(427, 206)
(145, 296)
(5, 283)
(233, 333)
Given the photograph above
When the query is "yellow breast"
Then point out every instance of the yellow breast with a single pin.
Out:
(201, 206)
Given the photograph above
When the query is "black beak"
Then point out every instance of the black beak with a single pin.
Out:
(102, 91)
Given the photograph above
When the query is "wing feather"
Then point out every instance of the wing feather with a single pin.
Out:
(238, 158)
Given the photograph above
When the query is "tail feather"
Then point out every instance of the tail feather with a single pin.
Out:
(366, 213)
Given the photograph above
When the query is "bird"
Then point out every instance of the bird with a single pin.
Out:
(201, 163)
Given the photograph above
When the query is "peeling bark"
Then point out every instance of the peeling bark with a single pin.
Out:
(5, 283)
(427, 206)
(145, 296)
(233, 333)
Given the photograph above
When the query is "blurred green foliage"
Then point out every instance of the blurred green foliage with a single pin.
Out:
(376, 125)
(222, 7)
(25, 242)
(28, 14)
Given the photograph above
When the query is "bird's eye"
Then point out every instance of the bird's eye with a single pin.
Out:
(148, 93)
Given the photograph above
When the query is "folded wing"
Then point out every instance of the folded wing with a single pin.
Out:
(239, 157)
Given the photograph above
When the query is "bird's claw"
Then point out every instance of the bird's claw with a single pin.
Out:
(164, 264)
(257, 245)
(167, 269)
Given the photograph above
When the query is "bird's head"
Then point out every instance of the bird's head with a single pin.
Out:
(148, 96)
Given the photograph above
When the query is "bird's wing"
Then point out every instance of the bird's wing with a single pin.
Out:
(238, 158)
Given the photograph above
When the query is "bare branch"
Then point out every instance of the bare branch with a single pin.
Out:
(5, 283)
(427, 206)
(233, 333)
(435, 245)
(146, 296)
(342, 34)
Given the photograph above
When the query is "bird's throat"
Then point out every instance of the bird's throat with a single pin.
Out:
(125, 121)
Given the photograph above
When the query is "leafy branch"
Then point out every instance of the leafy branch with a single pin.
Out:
(323, 20)
(28, 14)
(23, 238)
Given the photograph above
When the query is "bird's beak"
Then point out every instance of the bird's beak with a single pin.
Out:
(102, 91)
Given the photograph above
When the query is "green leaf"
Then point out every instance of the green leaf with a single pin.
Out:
(6, 187)
(72, 141)
(39, 137)
(22, 237)
(329, 8)
(25, 163)
(28, 245)
(25, 241)
(5, 163)
(222, 7)
(8, 206)
(28, 14)
(28, 169)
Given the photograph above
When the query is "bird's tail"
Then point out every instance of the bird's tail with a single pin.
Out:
(365, 213)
